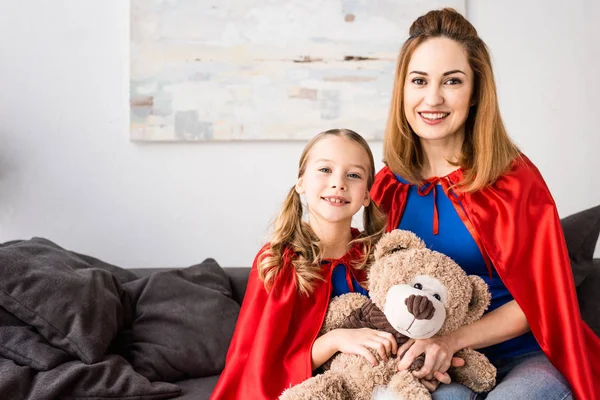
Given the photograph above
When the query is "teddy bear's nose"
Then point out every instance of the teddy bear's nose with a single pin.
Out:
(420, 306)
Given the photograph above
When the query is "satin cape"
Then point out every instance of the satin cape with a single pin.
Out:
(516, 226)
(271, 347)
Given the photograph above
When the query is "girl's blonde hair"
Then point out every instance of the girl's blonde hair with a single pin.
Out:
(487, 151)
(291, 234)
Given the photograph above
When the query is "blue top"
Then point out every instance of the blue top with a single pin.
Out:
(455, 240)
(340, 284)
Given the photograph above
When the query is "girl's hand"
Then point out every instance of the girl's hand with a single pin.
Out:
(438, 351)
(358, 341)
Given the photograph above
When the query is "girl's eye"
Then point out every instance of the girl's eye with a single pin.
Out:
(325, 169)
(419, 81)
(453, 81)
(354, 176)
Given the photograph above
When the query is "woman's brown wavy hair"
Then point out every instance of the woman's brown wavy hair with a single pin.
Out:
(487, 151)
(292, 234)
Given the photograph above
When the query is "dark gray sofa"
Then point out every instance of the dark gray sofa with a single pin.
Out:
(72, 326)
(201, 388)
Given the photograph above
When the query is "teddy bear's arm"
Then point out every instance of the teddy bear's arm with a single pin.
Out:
(478, 373)
(339, 309)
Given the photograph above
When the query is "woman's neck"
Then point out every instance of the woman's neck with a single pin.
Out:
(334, 239)
(438, 155)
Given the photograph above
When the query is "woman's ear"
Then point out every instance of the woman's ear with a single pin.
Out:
(300, 186)
(473, 101)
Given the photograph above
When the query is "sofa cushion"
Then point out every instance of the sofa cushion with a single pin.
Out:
(183, 322)
(581, 232)
(198, 388)
(589, 298)
(111, 378)
(74, 303)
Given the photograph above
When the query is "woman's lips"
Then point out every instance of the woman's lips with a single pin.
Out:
(433, 118)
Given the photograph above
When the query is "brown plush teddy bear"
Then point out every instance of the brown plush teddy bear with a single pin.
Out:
(414, 293)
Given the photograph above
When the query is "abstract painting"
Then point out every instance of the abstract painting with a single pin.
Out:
(214, 70)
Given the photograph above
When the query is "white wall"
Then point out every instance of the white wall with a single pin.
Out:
(68, 171)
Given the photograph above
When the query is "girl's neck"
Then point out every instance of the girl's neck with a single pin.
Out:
(334, 239)
(438, 155)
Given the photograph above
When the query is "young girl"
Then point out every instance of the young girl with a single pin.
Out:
(306, 263)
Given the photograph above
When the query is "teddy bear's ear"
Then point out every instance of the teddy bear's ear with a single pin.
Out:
(397, 240)
(480, 299)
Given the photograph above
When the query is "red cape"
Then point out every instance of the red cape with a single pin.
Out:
(516, 225)
(271, 347)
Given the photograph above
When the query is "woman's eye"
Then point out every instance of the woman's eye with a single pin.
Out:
(418, 286)
(325, 169)
(453, 81)
(419, 81)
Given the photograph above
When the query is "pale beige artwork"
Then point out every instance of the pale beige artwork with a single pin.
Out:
(265, 70)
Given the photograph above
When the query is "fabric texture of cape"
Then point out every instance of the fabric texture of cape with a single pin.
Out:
(516, 226)
(271, 347)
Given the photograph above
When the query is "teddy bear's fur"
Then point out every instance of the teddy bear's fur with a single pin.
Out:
(402, 265)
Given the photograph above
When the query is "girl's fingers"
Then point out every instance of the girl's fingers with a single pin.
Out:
(378, 347)
(386, 343)
(390, 339)
(363, 351)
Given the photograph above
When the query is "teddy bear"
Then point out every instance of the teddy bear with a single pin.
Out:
(414, 293)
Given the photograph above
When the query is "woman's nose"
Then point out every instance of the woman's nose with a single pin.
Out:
(434, 96)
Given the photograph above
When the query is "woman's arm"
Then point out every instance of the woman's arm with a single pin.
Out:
(506, 322)
(502, 324)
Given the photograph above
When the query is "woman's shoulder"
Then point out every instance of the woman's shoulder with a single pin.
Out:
(524, 171)
(523, 180)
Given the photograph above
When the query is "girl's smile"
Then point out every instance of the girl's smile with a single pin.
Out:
(336, 201)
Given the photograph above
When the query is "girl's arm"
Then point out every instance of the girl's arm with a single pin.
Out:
(353, 341)
(504, 323)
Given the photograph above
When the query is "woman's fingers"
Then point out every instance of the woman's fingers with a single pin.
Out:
(404, 348)
(443, 377)
(408, 354)
(457, 362)
(430, 385)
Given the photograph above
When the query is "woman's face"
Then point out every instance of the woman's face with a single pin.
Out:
(438, 89)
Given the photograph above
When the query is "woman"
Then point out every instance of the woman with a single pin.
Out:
(454, 177)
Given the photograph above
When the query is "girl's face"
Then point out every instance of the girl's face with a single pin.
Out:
(335, 182)
(438, 89)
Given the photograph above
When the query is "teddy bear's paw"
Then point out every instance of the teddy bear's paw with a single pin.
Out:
(385, 393)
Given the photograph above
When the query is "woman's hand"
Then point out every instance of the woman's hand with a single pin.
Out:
(438, 351)
(432, 383)
(359, 341)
